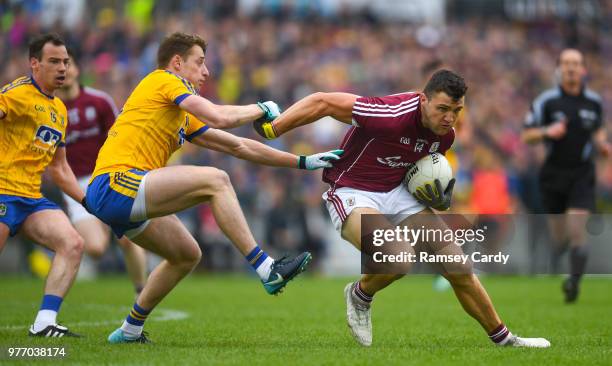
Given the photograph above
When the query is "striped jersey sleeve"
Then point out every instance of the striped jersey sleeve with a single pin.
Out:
(385, 114)
(194, 127)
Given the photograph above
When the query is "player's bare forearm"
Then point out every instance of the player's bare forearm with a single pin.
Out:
(245, 149)
(64, 177)
(207, 111)
(315, 107)
(67, 182)
(256, 152)
(239, 115)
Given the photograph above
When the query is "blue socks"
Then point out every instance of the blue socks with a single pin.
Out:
(135, 320)
(261, 262)
(47, 315)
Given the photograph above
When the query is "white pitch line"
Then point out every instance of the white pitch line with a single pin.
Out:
(161, 315)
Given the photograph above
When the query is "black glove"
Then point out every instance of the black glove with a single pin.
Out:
(433, 197)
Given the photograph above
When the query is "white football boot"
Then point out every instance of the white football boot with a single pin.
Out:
(358, 317)
(516, 341)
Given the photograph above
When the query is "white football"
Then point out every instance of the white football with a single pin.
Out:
(425, 171)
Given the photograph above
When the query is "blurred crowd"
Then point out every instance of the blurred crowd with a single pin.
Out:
(283, 53)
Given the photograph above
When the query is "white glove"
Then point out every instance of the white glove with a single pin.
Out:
(271, 111)
(318, 161)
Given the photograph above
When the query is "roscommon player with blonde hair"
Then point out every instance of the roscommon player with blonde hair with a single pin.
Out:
(137, 195)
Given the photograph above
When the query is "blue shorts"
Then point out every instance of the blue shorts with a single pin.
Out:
(14, 210)
(111, 206)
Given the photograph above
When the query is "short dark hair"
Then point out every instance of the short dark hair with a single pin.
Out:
(73, 55)
(36, 45)
(448, 82)
(177, 44)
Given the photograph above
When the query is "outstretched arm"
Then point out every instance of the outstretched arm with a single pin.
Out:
(228, 116)
(220, 116)
(62, 175)
(308, 110)
(554, 131)
(259, 153)
(536, 129)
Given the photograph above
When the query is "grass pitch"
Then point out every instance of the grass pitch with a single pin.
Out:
(231, 320)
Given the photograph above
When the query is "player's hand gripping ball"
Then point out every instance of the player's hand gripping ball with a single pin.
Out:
(430, 180)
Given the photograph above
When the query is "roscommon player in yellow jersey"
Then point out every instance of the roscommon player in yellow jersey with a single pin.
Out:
(133, 191)
(32, 135)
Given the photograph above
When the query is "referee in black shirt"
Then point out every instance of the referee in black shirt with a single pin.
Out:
(569, 119)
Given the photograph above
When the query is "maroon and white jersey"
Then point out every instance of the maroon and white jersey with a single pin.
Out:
(90, 116)
(386, 137)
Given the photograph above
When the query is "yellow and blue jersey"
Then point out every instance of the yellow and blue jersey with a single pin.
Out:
(34, 126)
(150, 127)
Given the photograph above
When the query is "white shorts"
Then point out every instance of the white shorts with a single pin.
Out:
(76, 212)
(398, 203)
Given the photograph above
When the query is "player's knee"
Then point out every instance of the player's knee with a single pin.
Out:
(190, 258)
(72, 246)
(577, 236)
(78, 244)
(222, 178)
(217, 179)
(197, 258)
(195, 255)
(95, 248)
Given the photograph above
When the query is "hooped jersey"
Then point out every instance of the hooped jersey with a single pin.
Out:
(33, 128)
(90, 115)
(386, 138)
(151, 125)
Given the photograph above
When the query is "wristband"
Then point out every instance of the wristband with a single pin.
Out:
(301, 162)
(268, 129)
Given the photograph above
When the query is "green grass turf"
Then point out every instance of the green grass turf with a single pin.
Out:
(231, 320)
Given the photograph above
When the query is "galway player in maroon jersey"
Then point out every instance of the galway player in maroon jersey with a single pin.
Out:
(91, 113)
(388, 134)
